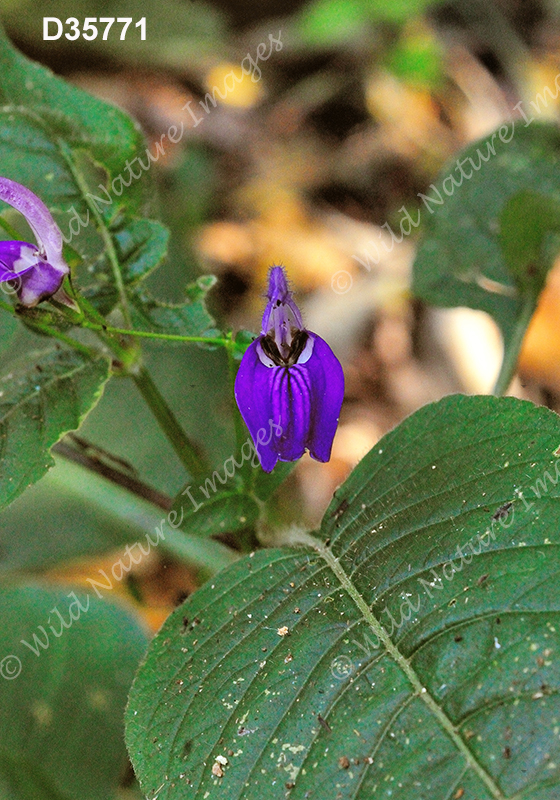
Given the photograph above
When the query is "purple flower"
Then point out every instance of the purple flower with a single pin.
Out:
(35, 271)
(289, 384)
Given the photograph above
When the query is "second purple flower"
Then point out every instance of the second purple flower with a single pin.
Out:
(36, 271)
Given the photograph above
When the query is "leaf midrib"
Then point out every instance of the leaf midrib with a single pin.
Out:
(420, 691)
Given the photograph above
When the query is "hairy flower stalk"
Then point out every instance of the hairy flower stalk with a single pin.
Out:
(35, 271)
(289, 382)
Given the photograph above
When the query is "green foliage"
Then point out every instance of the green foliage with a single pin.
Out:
(411, 641)
(140, 245)
(529, 228)
(63, 693)
(53, 109)
(266, 483)
(48, 394)
(467, 256)
(334, 22)
(189, 318)
(209, 513)
(91, 517)
(231, 498)
(417, 59)
(408, 647)
(88, 162)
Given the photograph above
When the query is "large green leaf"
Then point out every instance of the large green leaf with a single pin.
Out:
(373, 659)
(46, 396)
(62, 693)
(461, 260)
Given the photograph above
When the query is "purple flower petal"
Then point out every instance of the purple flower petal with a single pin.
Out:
(38, 283)
(17, 258)
(290, 409)
(31, 277)
(40, 220)
(279, 294)
(289, 384)
(254, 399)
(327, 379)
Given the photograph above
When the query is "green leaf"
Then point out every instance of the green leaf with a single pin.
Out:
(108, 133)
(243, 339)
(141, 245)
(190, 318)
(460, 261)
(46, 396)
(207, 511)
(327, 23)
(88, 162)
(63, 693)
(409, 649)
(8, 327)
(526, 224)
(417, 58)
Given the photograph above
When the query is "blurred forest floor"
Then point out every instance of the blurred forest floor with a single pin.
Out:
(311, 166)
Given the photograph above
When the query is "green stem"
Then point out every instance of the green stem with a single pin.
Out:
(46, 329)
(168, 423)
(151, 394)
(102, 228)
(513, 347)
(86, 308)
(170, 337)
